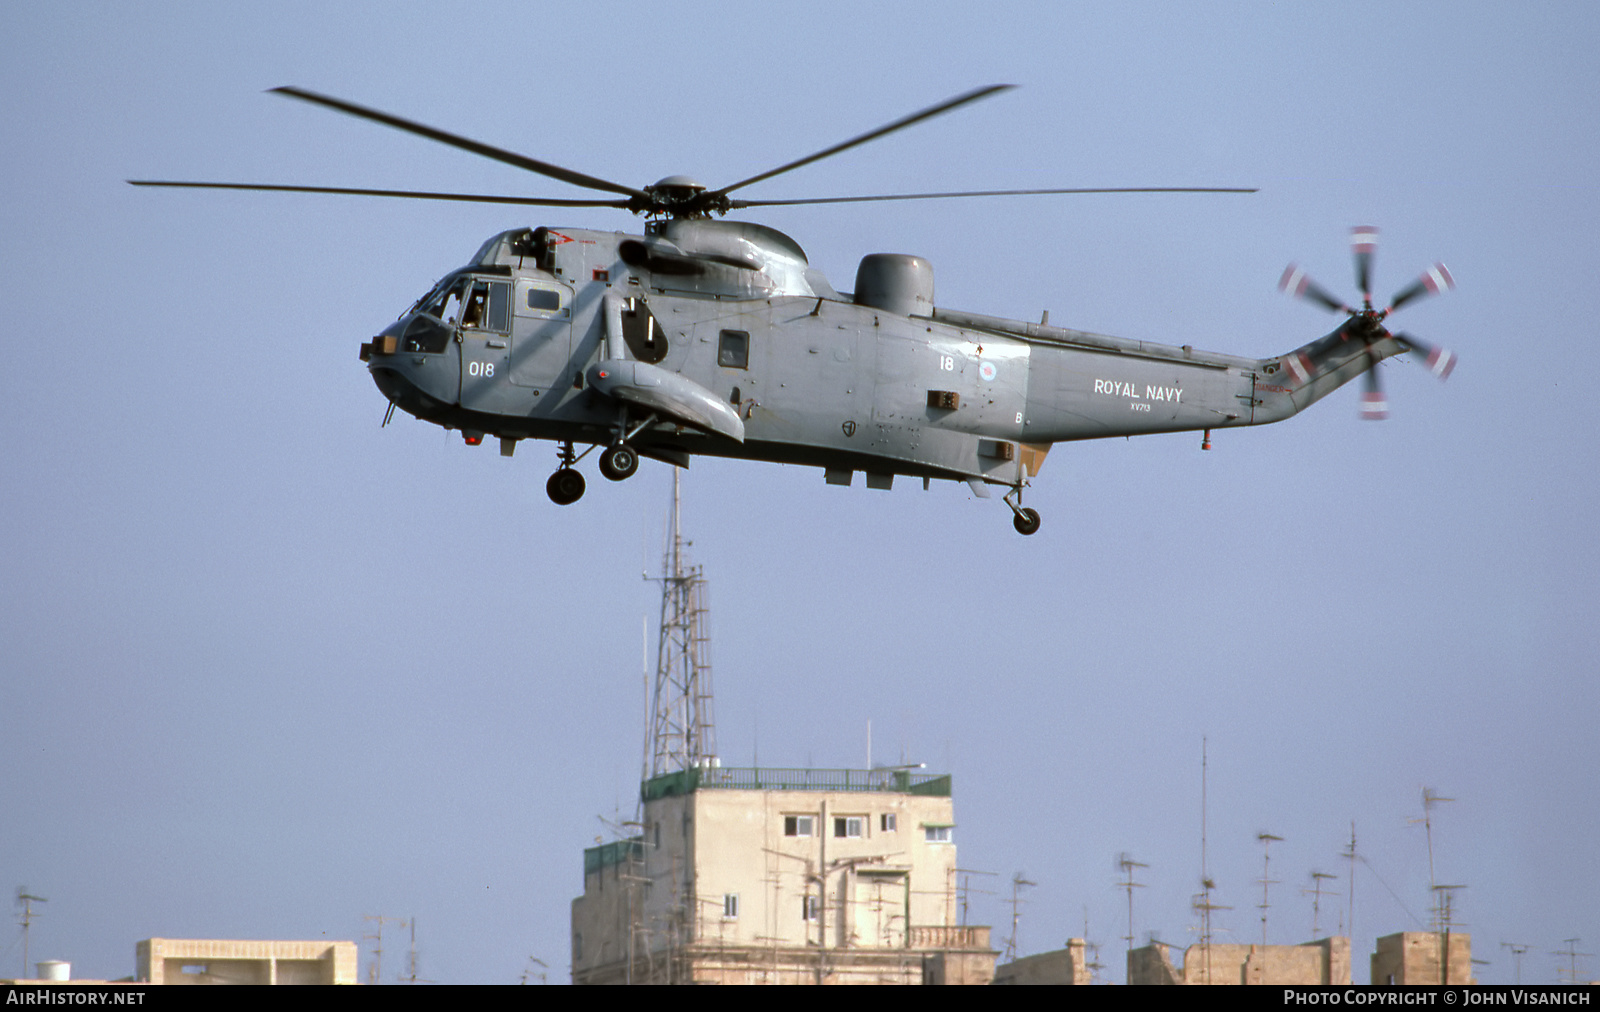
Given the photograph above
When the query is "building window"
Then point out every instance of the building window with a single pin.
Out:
(808, 908)
(888, 822)
(799, 825)
(730, 906)
(937, 834)
(848, 826)
(577, 948)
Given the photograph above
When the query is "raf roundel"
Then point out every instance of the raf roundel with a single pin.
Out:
(987, 370)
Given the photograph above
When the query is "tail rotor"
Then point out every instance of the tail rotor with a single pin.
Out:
(1367, 324)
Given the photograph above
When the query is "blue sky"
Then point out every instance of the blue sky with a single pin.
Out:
(267, 668)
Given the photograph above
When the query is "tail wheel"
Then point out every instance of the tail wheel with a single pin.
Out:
(1026, 521)
(619, 462)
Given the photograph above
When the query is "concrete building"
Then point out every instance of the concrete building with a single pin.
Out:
(1063, 966)
(1325, 961)
(1423, 957)
(215, 961)
(754, 876)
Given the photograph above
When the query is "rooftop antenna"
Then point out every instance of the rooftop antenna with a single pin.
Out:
(1091, 950)
(536, 968)
(1202, 902)
(1350, 856)
(1445, 896)
(1316, 890)
(1127, 864)
(1572, 954)
(966, 889)
(1429, 799)
(411, 957)
(26, 900)
(375, 968)
(1517, 952)
(682, 734)
(1267, 840)
(1018, 883)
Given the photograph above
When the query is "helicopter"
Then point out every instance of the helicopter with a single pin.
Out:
(707, 336)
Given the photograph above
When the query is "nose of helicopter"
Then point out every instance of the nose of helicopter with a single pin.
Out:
(412, 374)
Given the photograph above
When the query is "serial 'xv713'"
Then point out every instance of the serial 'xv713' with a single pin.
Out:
(706, 336)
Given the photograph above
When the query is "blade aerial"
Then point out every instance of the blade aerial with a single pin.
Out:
(464, 143)
(1434, 280)
(1363, 244)
(987, 193)
(899, 124)
(1440, 361)
(475, 198)
(1298, 283)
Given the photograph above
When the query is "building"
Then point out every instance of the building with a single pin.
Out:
(1062, 966)
(1325, 961)
(749, 876)
(1423, 957)
(215, 961)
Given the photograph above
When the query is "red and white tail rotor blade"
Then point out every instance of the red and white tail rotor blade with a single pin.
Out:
(1298, 283)
(1374, 405)
(1440, 361)
(1363, 244)
(1434, 280)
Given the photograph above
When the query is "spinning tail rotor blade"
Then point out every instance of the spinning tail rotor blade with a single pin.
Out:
(1434, 280)
(1440, 361)
(1374, 405)
(1363, 244)
(1298, 283)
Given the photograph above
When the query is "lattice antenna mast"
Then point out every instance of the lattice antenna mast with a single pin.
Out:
(682, 731)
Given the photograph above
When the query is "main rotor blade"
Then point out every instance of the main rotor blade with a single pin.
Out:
(475, 198)
(916, 117)
(464, 143)
(988, 193)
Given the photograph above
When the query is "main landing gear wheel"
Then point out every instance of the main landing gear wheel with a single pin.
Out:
(619, 461)
(1026, 521)
(565, 487)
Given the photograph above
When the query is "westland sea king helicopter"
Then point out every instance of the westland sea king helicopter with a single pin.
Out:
(708, 336)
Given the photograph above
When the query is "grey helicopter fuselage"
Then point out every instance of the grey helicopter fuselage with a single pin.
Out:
(717, 337)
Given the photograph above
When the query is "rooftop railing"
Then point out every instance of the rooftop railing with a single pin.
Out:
(890, 781)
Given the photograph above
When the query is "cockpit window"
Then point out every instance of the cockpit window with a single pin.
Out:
(488, 306)
(446, 305)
